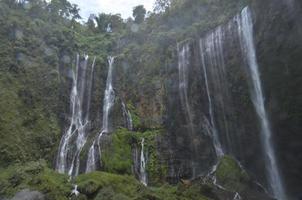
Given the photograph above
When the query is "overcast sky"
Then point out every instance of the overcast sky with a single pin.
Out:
(124, 7)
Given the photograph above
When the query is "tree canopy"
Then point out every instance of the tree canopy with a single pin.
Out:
(139, 13)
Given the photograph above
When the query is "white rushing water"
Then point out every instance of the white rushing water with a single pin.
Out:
(237, 196)
(183, 62)
(215, 137)
(127, 116)
(75, 191)
(143, 174)
(245, 28)
(109, 97)
(74, 139)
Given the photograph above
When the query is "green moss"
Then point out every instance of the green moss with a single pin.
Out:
(117, 158)
(116, 187)
(230, 175)
(28, 131)
(155, 167)
(91, 183)
(89, 187)
(35, 176)
(110, 194)
(95, 185)
(136, 121)
(179, 192)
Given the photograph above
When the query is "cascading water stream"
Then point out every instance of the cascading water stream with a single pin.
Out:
(75, 191)
(245, 28)
(75, 137)
(109, 97)
(183, 62)
(127, 116)
(216, 141)
(143, 174)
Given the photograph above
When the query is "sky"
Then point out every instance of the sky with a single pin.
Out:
(124, 7)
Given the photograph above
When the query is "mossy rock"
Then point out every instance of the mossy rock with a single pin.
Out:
(117, 154)
(118, 187)
(96, 182)
(35, 176)
(136, 120)
(116, 157)
(79, 197)
(89, 187)
(110, 194)
(230, 175)
(155, 167)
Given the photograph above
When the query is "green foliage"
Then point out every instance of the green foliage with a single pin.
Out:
(91, 183)
(162, 5)
(136, 121)
(103, 20)
(34, 176)
(64, 8)
(95, 185)
(155, 167)
(117, 158)
(116, 187)
(27, 130)
(139, 13)
(34, 95)
(37, 43)
(110, 194)
(230, 175)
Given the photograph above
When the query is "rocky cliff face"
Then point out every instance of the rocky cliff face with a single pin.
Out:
(186, 147)
(278, 35)
(217, 93)
(214, 75)
(191, 108)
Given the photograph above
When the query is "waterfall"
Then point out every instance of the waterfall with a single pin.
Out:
(72, 142)
(109, 96)
(216, 141)
(143, 174)
(127, 116)
(91, 162)
(216, 84)
(108, 103)
(237, 196)
(183, 62)
(75, 191)
(245, 28)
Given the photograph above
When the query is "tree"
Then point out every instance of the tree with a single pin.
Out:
(102, 21)
(74, 11)
(114, 21)
(60, 7)
(161, 6)
(90, 22)
(139, 13)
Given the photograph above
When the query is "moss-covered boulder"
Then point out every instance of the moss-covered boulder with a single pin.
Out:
(230, 175)
(101, 182)
(34, 176)
(116, 153)
(105, 186)
(37, 177)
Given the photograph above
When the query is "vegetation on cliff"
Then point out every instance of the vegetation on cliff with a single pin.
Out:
(38, 44)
